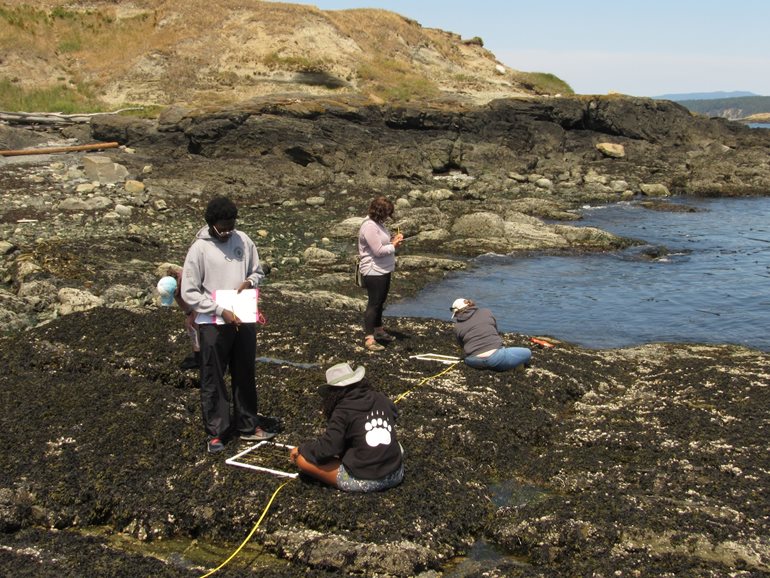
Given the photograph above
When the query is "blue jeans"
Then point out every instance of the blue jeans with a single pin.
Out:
(503, 359)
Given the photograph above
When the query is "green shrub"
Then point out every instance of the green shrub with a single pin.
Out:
(55, 98)
(22, 16)
(63, 14)
(71, 44)
(293, 63)
(394, 82)
(543, 83)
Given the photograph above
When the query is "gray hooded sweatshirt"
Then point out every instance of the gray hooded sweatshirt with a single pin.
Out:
(212, 264)
(476, 331)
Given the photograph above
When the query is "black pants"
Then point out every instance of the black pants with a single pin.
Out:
(377, 287)
(223, 346)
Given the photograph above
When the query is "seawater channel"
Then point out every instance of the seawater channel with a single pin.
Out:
(707, 281)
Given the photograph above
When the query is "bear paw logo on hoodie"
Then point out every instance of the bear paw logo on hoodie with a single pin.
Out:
(377, 429)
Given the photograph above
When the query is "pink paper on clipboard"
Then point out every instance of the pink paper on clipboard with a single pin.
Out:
(245, 305)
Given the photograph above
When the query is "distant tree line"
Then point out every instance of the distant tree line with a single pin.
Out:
(732, 108)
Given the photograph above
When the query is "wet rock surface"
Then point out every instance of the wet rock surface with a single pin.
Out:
(644, 461)
(651, 459)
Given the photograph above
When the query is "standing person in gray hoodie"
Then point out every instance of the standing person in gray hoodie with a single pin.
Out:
(476, 332)
(223, 258)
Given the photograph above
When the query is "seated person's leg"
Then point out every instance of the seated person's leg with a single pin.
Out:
(507, 358)
(476, 362)
(326, 473)
(348, 483)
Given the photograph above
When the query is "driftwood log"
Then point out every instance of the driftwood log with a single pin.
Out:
(54, 117)
(65, 149)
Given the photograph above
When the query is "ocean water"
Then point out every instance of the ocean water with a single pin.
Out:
(712, 286)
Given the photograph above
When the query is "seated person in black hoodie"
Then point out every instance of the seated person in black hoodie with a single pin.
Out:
(359, 451)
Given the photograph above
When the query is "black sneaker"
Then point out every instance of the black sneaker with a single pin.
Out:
(259, 435)
(192, 361)
(384, 336)
(215, 446)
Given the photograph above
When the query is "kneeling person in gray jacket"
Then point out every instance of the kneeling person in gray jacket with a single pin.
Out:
(476, 332)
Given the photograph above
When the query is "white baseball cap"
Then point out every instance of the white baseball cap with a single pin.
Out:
(458, 304)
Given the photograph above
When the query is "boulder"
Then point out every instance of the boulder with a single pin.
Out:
(479, 226)
(103, 169)
(72, 300)
(611, 150)
(654, 190)
(317, 257)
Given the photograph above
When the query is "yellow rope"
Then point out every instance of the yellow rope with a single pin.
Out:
(407, 392)
(254, 529)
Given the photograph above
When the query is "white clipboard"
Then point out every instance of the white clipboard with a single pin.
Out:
(245, 305)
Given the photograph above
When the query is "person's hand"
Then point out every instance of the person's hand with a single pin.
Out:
(244, 285)
(397, 239)
(293, 455)
(230, 317)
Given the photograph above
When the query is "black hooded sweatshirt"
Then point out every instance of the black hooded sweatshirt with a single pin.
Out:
(361, 432)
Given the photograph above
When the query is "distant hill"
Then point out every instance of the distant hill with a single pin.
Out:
(704, 95)
(200, 52)
(731, 108)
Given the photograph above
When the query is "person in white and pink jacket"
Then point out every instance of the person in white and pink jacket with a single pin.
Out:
(377, 251)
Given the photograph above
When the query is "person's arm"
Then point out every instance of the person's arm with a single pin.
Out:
(373, 238)
(458, 338)
(186, 309)
(254, 273)
(494, 321)
(394, 409)
(192, 285)
(331, 444)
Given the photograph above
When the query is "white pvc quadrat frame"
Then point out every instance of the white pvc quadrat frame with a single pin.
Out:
(233, 461)
(445, 359)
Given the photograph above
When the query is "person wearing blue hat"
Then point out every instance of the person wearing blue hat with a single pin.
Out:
(476, 332)
(170, 291)
(167, 287)
(359, 451)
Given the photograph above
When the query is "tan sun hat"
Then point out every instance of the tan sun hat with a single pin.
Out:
(342, 374)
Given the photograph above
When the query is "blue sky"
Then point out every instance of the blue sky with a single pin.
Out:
(643, 48)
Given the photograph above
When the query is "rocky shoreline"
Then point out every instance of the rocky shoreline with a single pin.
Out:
(642, 461)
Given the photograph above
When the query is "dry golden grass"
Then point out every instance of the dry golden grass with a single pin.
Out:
(198, 51)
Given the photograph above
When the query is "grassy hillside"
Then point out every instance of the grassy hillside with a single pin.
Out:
(83, 56)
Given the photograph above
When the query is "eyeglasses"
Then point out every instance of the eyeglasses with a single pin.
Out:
(223, 234)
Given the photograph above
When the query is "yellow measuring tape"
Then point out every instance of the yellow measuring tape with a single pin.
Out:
(254, 529)
(407, 392)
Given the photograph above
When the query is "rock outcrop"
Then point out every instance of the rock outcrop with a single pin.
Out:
(536, 147)
(651, 459)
